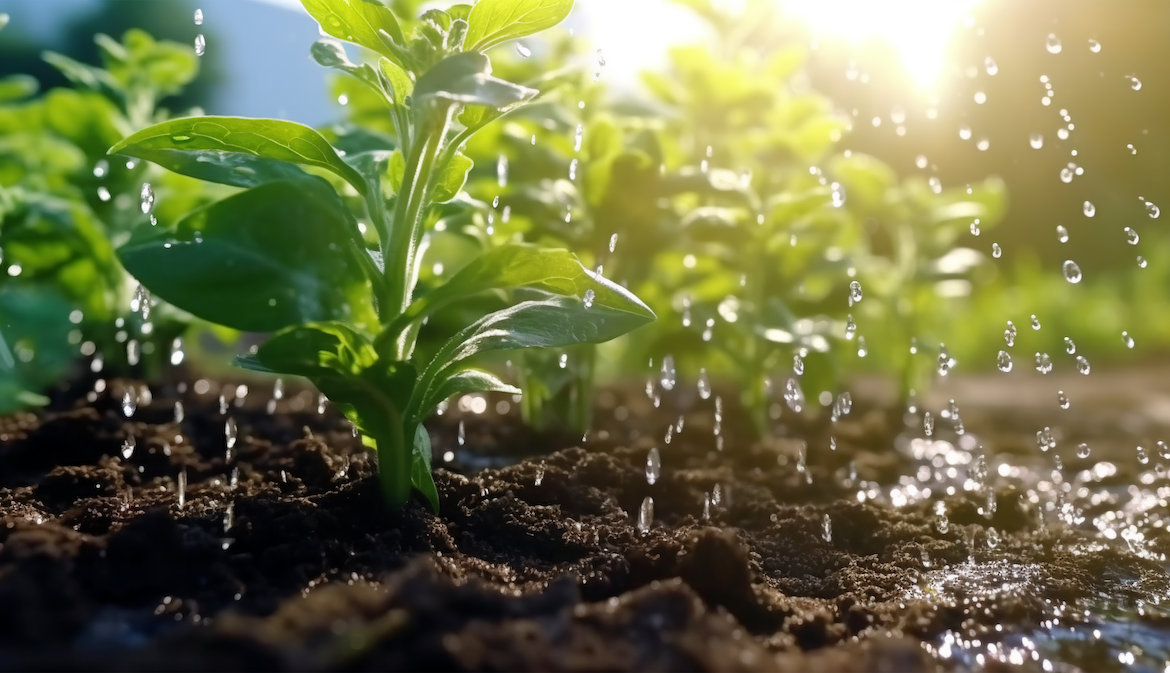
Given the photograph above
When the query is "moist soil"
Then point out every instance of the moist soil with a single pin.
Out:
(759, 556)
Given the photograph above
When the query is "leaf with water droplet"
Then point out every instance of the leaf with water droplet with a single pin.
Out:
(360, 22)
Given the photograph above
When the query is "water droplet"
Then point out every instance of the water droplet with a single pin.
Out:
(793, 395)
(199, 17)
(1127, 339)
(1066, 175)
(1062, 400)
(129, 402)
(850, 327)
(461, 433)
(1094, 46)
(200, 45)
(935, 185)
(862, 349)
(996, 252)
(133, 352)
(854, 292)
(128, 447)
(945, 361)
(990, 65)
(1072, 272)
(1083, 450)
(653, 466)
(588, 298)
(1004, 361)
(1134, 82)
(975, 227)
(103, 193)
(1035, 322)
(1131, 235)
(181, 487)
(1164, 450)
(1053, 44)
(230, 435)
(1152, 210)
(928, 424)
(798, 365)
(1141, 262)
(580, 133)
(1009, 334)
(563, 361)
(1082, 365)
(1045, 439)
(646, 515)
(921, 161)
(667, 375)
(844, 404)
(523, 51)
(179, 414)
(1036, 140)
(1043, 363)
(100, 168)
(321, 400)
(1142, 456)
(502, 170)
(1061, 233)
(827, 528)
(1090, 209)
(704, 384)
(941, 523)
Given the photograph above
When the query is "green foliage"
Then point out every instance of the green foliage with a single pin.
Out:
(287, 254)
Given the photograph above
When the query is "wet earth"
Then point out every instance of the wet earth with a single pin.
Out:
(132, 541)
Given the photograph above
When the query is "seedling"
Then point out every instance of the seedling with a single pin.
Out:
(288, 255)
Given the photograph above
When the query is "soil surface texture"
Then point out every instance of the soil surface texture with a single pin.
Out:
(131, 541)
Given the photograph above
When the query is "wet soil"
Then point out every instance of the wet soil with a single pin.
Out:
(759, 556)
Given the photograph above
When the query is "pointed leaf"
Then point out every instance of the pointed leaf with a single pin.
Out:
(420, 467)
(466, 78)
(494, 21)
(466, 381)
(312, 350)
(452, 178)
(258, 261)
(357, 21)
(220, 142)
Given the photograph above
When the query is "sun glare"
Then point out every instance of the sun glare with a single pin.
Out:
(919, 29)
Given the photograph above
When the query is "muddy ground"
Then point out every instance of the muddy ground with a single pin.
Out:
(537, 563)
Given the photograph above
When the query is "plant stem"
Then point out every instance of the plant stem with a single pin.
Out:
(407, 227)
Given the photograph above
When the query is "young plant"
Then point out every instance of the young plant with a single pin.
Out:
(286, 254)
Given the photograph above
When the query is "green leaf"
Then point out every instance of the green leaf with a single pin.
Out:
(15, 87)
(400, 84)
(452, 178)
(258, 261)
(85, 76)
(313, 350)
(558, 321)
(220, 141)
(397, 170)
(494, 21)
(466, 381)
(357, 21)
(513, 265)
(466, 78)
(420, 467)
(34, 348)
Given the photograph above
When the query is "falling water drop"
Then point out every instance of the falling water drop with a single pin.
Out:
(1152, 210)
(975, 227)
(1164, 450)
(1142, 456)
(523, 51)
(1053, 44)
(1070, 346)
(992, 538)
(1004, 361)
(179, 413)
(578, 135)
(1094, 46)
(850, 327)
(588, 298)
(1062, 400)
(1043, 363)
(461, 433)
(1134, 82)
(1009, 334)
(177, 351)
(182, 487)
(230, 434)
(502, 170)
(940, 517)
(854, 292)
(827, 528)
(1035, 322)
(1141, 262)
(798, 365)
(198, 17)
(147, 198)
(704, 384)
(200, 45)
(1083, 450)
(1083, 365)
(928, 424)
(990, 65)
(1061, 233)
(321, 400)
(1089, 209)
(996, 251)
(1066, 175)
(1127, 339)
(1036, 140)
(1072, 272)
(129, 402)
(646, 515)
(667, 374)
(133, 352)
(1131, 236)
(862, 349)
(793, 395)
(653, 466)
(128, 447)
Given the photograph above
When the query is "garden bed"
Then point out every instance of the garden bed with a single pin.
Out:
(533, 563)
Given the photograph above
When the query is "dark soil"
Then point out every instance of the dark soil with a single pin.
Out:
(533, 565)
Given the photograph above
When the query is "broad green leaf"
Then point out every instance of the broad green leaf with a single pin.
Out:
(258, 261)
(513, 265)
(214, 141)
(89, 77)
(330, 54)
(34, 348)
(357, 21)
(557, 321)
(452, 178)
(312, 351)
(466, 78)
(466, 381)
(461, 11)
(420, 467)
(494, 21)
